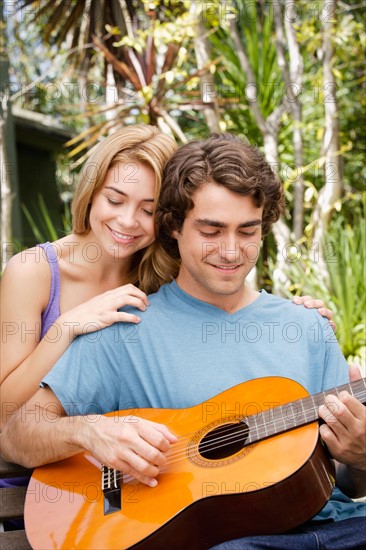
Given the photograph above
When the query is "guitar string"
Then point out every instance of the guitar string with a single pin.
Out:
(191, 452)
(232, 428)
(165, 468)
(213, 443)
(359, 394)
(185, 454)
(260, 428)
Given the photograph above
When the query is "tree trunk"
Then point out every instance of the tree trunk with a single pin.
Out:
(333, 182)
(203, 56)
(8, 168)
(269, 128)
(6, 194)
(292, 76)
(280, 229)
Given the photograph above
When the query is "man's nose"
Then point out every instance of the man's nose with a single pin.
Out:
(230, 249)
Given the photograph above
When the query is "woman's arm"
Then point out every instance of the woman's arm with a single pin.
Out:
(25, 359)
(25, 290)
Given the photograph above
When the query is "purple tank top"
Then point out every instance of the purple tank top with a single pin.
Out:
(49, 316)
(52, 311)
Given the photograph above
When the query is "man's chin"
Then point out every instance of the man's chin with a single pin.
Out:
(227, 288)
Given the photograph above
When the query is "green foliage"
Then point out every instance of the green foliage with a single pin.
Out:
(160, 75)
(42, 225)
(234, 92)
(344, 291)
(349, 42)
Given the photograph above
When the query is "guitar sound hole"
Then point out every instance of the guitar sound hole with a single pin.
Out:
(223, 441)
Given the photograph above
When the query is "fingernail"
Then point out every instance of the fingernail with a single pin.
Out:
(153, 483)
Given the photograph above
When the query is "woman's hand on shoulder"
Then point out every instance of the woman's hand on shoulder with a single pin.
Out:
(101, 311)
(311, 303)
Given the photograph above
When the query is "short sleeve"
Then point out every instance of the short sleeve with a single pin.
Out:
(79, 378)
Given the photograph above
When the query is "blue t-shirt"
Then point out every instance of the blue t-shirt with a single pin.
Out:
(186, 351)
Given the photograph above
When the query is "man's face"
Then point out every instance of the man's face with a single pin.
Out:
(219, 244)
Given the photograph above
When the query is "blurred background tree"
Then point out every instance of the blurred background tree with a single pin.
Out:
(287, 76)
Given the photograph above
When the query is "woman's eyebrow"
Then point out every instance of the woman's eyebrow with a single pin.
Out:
(125, 194)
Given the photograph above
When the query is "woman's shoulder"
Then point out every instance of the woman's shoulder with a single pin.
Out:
(37, 258)
(28, 268)
(27, 279)
(30, 259)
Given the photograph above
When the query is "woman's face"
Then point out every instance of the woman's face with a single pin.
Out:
(121, 214)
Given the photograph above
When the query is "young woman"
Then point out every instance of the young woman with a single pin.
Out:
(55, 291)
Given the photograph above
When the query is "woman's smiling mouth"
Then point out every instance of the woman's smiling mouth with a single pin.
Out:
(125, 237)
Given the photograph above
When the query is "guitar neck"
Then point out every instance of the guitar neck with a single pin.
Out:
(297, 413)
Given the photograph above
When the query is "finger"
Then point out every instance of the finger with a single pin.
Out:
(167, 433)
(117, 294)
(325, 312)
(328, 436)
(109, 318)
(133, 291)
(172, 438)
(151, 454)
(335, 413)
(149, 481)
(354, 372)
(155, 437)
(146, 441)
(128, 300)
(137, 473)
(326, 413)
(312, 304)
(302, 299)
(356, 408)
(122, 317)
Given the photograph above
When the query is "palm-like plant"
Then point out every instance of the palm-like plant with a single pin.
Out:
(243, 95)
(78, 22)
(151, 63)
(146, 43)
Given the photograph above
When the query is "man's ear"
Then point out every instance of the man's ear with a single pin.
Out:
(174, 234)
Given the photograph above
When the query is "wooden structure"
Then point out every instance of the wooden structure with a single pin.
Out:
(12, 507)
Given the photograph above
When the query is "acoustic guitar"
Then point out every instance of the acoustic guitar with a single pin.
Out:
(248, 461)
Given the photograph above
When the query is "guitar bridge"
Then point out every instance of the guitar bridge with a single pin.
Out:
(112, 491)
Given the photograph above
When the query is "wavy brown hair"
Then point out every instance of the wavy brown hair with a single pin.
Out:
(152, 266)
(223, 159)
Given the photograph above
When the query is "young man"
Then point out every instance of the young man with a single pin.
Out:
(202, 334)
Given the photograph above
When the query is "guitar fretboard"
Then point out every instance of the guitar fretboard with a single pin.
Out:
(297, 413)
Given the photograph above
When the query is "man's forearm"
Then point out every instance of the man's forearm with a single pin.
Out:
(351, 480)
(38, 438)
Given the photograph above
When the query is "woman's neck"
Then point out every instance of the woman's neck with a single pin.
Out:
(88, 256)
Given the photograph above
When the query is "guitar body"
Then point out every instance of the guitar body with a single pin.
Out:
(201, 499)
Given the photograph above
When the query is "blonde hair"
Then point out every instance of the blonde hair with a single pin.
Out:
(152, 266)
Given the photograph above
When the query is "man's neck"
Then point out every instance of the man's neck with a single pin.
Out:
(227, 302)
